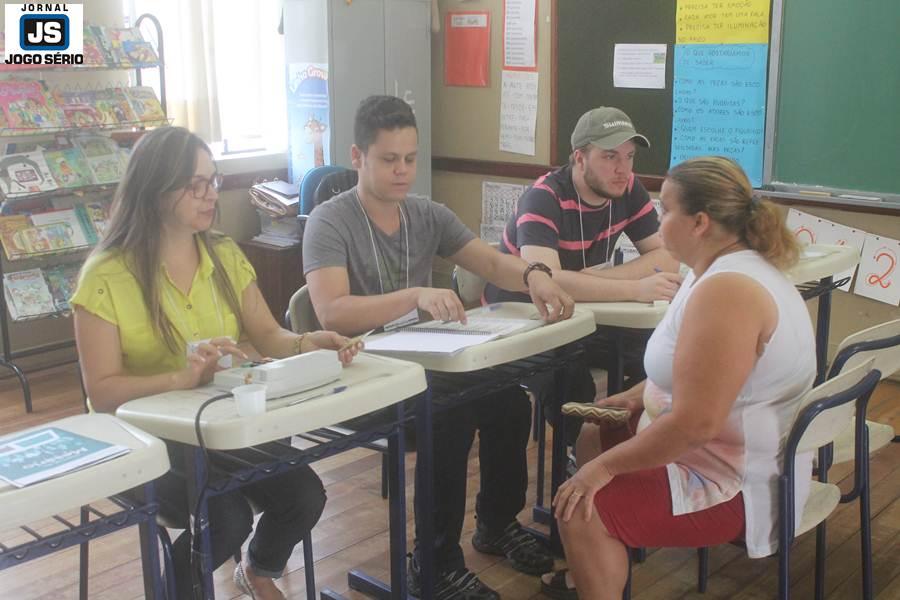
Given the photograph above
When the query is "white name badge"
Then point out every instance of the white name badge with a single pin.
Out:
(407, 319)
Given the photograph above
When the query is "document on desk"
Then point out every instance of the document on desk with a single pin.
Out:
(436, 337)
(50, 452)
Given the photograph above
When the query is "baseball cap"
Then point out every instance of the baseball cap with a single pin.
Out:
(605, 127)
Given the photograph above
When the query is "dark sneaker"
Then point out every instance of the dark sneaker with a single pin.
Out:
(525, 553)
(461, 584)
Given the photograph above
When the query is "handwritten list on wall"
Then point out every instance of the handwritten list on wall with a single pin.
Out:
(719, 89)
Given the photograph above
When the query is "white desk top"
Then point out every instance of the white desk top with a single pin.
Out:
(507, 349)
(639, 315)
(822, 260)
(372, 382)
(146, 461)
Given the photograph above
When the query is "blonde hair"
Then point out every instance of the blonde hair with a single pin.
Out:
(719, 187)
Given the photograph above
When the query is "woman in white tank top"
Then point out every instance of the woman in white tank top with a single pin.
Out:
(725, 371)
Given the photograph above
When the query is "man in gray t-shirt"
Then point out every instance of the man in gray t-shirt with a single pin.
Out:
(367, 257)
(339, 234)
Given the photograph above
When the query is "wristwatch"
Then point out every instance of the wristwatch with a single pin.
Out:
(535, 266)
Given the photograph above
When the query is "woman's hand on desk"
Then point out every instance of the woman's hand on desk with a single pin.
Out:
(552, 302)
(659, 286)
(329, 340)
(203, 362)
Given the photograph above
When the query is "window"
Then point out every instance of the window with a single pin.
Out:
(225, 76)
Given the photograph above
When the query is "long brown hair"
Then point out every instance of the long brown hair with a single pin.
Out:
(163, 161)
(719, 187)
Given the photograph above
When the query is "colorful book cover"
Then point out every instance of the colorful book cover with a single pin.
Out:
(103, 156)
(140, 53)
(52, 237)
(69, 167)
(100, 35)
(77, 109)
(116, 39)
(112, 106)
(22, 174)
(9, 226)
(45, 453)
(28, 295)
(27, 105)
(96, 215)
(145, 105)
(62, 281)
(91, 48)
(70, 217)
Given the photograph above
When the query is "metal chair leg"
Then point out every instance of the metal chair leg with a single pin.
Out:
(384, 475)
(702, 568)
(309, 566)
(168, 562)
(83, 559)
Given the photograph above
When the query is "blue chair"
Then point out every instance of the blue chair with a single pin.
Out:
(310, 183)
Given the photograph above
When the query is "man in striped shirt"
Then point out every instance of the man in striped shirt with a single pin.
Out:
(570, 219)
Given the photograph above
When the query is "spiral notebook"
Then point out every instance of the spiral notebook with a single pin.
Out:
(437, 337)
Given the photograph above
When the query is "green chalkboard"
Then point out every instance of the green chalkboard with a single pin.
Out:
(838, 97)
(587, 32)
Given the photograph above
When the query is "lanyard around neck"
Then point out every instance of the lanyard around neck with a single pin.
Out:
(375, 250)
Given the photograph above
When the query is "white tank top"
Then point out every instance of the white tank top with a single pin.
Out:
(746, 455)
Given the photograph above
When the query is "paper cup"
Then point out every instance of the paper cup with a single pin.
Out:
(250, 399)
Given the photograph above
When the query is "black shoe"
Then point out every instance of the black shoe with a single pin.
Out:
(524, 552)
(461, 584)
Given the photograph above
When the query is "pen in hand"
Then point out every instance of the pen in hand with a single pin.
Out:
(353, 341)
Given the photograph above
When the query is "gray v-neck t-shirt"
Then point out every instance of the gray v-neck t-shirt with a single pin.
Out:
(339, 234)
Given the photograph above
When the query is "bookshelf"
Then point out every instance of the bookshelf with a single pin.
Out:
(62, 160)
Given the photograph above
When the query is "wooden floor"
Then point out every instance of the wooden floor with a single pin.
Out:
(353, 530)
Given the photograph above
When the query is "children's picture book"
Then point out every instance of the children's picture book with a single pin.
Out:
(103, 157)
(96, 217)
(112, 106)
(71, 218)
(9, 226)
(27, 294)
(62, 281)
(27, 105)
(48, 452)
(91, 48)
(27, 173)
(76, 108)
(139, 53)
(69, 167)
(146, 107)
(116, 38)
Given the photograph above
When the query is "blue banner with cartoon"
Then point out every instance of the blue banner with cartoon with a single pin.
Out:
(719, 108)
(309, 118)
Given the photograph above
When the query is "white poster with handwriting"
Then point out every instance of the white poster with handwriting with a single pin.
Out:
(877, 278)
(518, 111)
(841, 235)
(498, 201)
(804, 226)
(520, 34)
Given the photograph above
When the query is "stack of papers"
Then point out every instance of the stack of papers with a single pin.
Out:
(49, 452)
(437, 337)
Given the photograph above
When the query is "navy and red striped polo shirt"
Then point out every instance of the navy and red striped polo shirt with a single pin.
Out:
(547, 215)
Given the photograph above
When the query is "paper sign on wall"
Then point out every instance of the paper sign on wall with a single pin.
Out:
(520, 34)
(467, 48)
(809, 229)
(722, 22)
(518, 111)
(640, 66)
(877, 278)
(498, 201)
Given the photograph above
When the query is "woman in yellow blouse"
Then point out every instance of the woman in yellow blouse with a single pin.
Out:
(158, 303)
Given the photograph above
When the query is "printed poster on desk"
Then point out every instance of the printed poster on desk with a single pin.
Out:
(49, 452)
(877, 278)
(309, 118)
(467, 49)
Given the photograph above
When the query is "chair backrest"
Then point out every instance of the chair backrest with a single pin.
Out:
(881, 343)
(333, 184)
(825, 409)
(308, 186)
(468, 286)
(301, 314)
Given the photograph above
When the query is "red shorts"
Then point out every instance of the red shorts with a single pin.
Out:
(636, 508)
